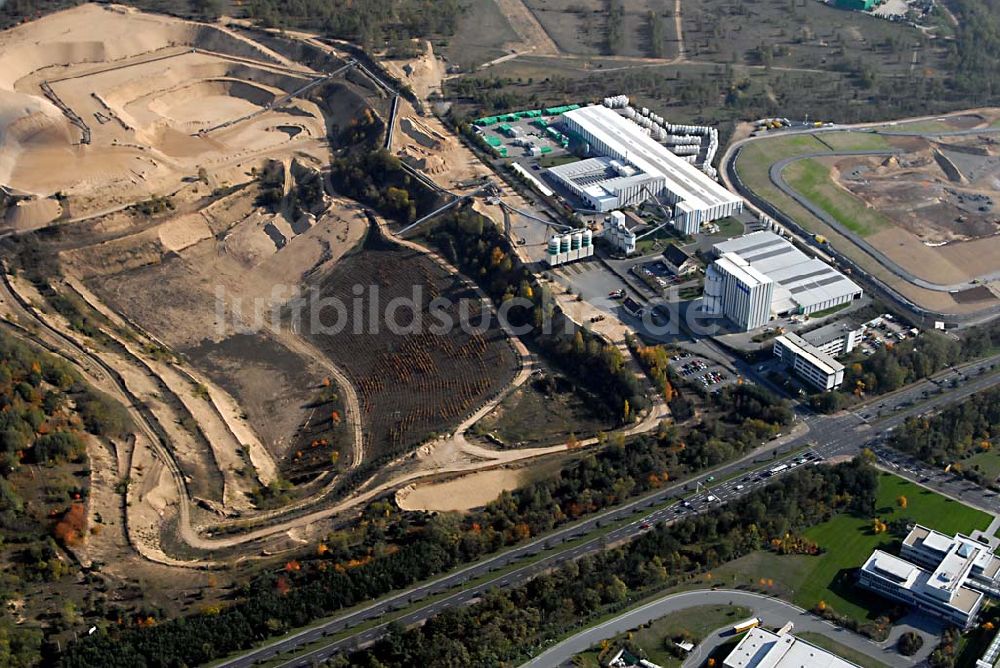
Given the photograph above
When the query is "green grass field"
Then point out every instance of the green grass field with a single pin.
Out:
(855, 141)
(812, 179)
(848, 541)
(988, 463)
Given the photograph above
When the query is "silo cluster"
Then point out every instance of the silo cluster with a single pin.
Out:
(571, 246)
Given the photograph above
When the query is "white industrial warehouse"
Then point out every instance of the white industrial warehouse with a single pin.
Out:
(633, 165)
(764, 266)
(761, 648)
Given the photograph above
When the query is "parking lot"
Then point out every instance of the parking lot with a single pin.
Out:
(882, 329)
(700, 371)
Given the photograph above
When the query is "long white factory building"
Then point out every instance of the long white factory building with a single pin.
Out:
(764, 265)
(633, 162)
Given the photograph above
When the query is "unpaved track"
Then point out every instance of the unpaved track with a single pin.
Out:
(527, 27)
(467, 457)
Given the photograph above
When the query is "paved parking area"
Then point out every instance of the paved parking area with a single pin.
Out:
(699, 370)
(887, 330)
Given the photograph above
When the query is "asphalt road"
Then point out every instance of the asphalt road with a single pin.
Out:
(828, 436)
(771, 611)
(776, 175)
(918, 313)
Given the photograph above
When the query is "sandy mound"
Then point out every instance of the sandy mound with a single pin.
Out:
(32, 213)
(470, 491)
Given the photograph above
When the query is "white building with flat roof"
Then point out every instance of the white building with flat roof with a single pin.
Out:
(695, 196)
(803, 285)
(946, 576)
(738, 291)
(761, 648)
(930, 548)
(606, 184)
(942, 593)
(810, 363)
(835, 339)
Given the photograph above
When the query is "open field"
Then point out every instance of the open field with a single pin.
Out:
(583, 27)
(848, 541)
(483, 33)
(411, 383)
(813, 179)
(542, 413)
(470, 491)
(730, 31)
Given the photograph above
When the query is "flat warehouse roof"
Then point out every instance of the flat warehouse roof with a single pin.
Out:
(806, 281)
(683, 179)
(763, 649)
(742, 271)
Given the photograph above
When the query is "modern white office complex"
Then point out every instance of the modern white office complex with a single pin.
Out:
(810, 363)
(801, 284)
(761, 648)
(641, 165)
(739, 291)
(951, 581)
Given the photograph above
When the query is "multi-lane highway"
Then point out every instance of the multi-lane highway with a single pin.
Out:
(827, 436)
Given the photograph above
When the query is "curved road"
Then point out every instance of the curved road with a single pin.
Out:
(776, 174)
(732, 180)
(772, 612)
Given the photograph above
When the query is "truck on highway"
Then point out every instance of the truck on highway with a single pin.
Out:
(777, 469)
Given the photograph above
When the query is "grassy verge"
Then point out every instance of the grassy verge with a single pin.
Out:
(695, 623)
(813, 180)
(855, 141)
(829, 311)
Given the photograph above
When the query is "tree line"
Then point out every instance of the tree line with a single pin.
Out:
(896, 365)
(479, 248)
(511, 624)
(45, 412)
(960, 431)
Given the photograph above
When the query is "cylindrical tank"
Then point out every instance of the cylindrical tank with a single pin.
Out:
(629, 112)
(564, 244)
(588, 238)
(554, 245)
(576, 240)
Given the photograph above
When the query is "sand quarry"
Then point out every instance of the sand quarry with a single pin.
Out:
(104, 105)
(103, 108)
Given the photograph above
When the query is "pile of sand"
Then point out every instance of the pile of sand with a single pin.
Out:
(32, 213)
